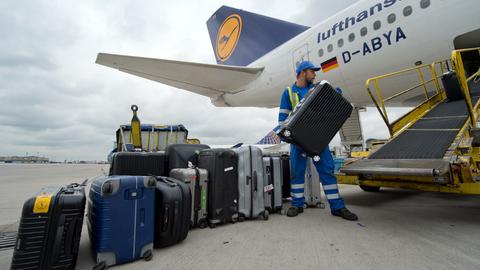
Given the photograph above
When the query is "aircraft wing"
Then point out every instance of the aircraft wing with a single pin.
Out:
(204, 79)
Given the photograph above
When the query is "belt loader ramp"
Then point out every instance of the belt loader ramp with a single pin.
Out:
(435, 146)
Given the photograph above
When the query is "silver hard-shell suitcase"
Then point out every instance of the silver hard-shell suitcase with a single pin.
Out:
(312, 186)
(250, 183)
(198, 181)
(272, 169)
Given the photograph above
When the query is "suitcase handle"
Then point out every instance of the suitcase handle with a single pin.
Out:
(197, 192)
(166, 215)
(58, 237)
(168, 181)
(255, 181)
(70, 237)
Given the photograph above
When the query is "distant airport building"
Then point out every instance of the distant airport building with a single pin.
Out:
(26, 159)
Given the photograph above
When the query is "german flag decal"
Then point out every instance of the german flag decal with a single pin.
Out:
(329, 64)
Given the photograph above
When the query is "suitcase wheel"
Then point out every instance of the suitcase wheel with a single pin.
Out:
(241, 218)
(265, 215)
(100, 266)
(203, 224)
(321, 205)
(212, 225)
(287, 133)
(148, 255)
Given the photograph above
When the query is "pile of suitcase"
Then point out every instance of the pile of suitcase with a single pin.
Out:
(150, 200)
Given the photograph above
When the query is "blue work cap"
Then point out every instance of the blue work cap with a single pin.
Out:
(306, 65)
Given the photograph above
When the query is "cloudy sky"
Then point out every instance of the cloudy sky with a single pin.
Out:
(57, 102)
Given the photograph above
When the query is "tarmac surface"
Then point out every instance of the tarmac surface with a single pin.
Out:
(398, 229)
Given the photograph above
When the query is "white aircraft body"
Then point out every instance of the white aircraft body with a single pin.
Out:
(257, 55)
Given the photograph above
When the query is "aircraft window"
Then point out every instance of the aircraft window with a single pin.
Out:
(351, 37)
(330, 48)
(391, 18)
(407, 11)
(340, 43)
(377, 25)
(424, 3)
(363, 31)
(320, 52)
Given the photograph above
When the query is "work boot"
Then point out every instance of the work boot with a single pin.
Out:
(294, 211)
(345, 214)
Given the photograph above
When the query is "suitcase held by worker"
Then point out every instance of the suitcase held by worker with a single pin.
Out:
(121, 214)
(197, 179)
(50, 228)
(312, 192)
(180, 155)
(452, 86)
(272, 167)
(222, 202)
(251, 203)
(138, 163)
(316, 119)
(173, 210)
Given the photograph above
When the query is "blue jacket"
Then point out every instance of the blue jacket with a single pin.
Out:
(285, 103)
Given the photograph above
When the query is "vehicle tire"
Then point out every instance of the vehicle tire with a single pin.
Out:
(369, 188)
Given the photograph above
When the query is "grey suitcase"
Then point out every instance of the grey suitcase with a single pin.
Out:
(198, 181)
(312, 186)
(272, 172)
(250, 183)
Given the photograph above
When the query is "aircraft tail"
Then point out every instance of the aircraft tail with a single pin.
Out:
(239, 37)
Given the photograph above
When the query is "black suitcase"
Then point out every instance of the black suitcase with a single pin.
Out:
(222, 203)
(180, 154)
(452, 86)
(173, 208)
(138, 163)
(50, 228)
(316, 119)
(285, 176)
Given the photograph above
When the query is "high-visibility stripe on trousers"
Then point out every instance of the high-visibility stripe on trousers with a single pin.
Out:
(325, 168)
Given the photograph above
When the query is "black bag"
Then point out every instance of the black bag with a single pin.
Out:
(180, 154)
(138, 163)
(50, 228)
(316, 119)
(452, 86)
(173, 201)
(222, 203)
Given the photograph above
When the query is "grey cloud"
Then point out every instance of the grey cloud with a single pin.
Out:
(56, 101)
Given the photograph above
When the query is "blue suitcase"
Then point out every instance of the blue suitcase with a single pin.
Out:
(121, 219)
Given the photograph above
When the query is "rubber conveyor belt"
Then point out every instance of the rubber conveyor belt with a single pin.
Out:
(431, 136)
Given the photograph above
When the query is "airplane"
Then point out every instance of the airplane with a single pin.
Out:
(257, 55)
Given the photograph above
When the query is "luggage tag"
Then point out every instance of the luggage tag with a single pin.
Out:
(42, 203)
(268, 188)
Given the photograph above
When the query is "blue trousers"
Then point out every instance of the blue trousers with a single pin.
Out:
(325, 168)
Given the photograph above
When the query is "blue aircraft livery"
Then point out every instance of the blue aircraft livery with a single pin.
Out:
(350, 21)
(239, 37)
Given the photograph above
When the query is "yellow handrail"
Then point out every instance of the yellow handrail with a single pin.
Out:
(380, 101)
(457, 62)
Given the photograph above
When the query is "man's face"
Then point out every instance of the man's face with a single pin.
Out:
(309, 75)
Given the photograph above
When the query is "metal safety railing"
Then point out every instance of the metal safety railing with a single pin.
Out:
(458, 65)
(423, 71)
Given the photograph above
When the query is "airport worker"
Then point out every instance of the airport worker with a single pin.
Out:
(298, 159)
